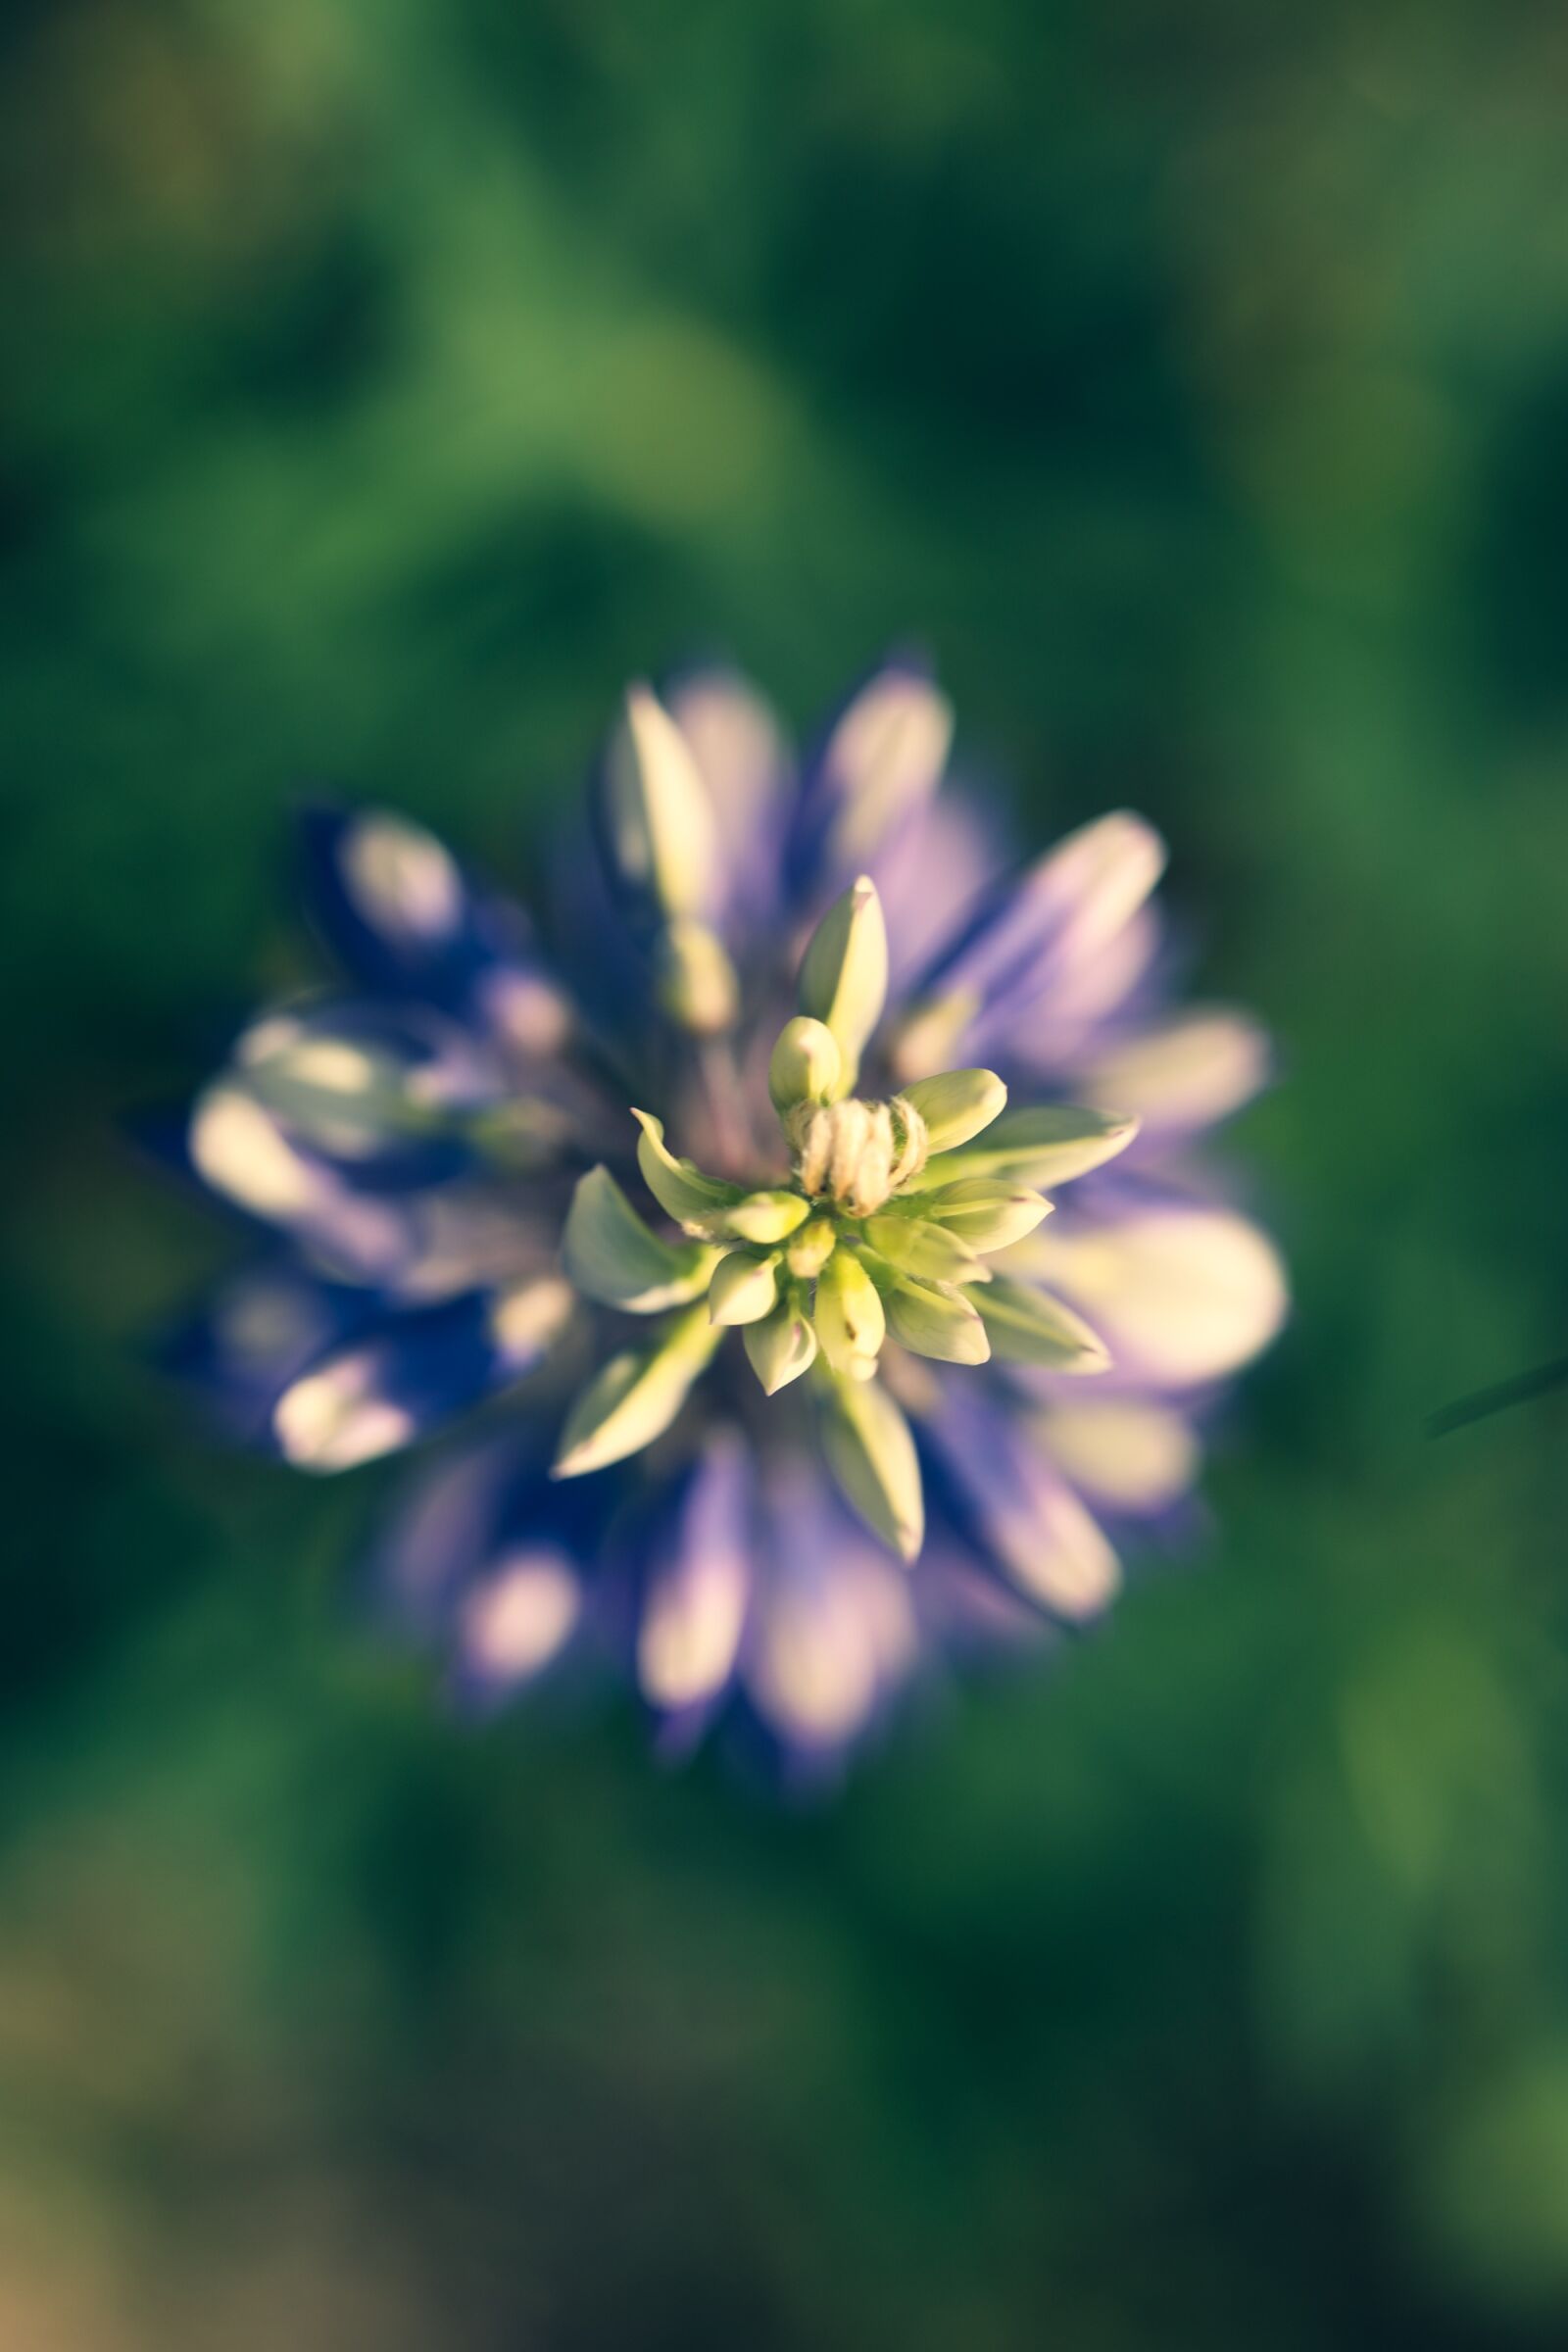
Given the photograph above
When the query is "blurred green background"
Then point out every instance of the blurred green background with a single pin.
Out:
(382, 385)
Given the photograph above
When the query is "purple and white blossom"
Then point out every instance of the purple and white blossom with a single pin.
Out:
(806, 1204)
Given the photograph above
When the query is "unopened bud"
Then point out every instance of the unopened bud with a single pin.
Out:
(985, 1213)
(766, 1217)
(609, 1253)
(1050, 1144)
(914, 1245)
(699, 1204)
(658, 823)
(871, 1453)
(634, 1397)
(781, 1346)
(743, 1288)
(806, 1065)
(956, 1106)
(849, 1320)
(935, 1320)
(811, 1248)
(1029, 1326)
(695, 978)
(844, 977)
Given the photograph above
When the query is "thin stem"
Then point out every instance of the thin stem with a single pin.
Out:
(1522, 1389)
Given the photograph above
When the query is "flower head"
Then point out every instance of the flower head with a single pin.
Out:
(735, 1191)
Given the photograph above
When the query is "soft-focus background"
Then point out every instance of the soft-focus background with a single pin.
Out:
(382, 385)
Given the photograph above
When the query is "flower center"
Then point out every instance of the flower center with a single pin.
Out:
(856, 1153)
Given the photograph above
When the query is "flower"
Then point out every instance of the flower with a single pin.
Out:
(813, 1195)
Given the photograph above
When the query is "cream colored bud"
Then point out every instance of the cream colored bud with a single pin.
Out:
(811, 1248)
(609, 1253)
(849, 1320)
(1028, 1326)
(844, 976)
(935, 1320)
(766, 1217)
(743, 1288)
(781, 1346)
(634, 1397)
(1035, 1146)
(659, 819)
(847, 1153)
(857, 1153)
(870, 1453)
(695, 978)
(806, 1065)
(699, 1204)
(914, 1246)
(984, 1213)
(956, 1106)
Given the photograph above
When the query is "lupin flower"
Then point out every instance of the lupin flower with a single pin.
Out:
(734, 1201)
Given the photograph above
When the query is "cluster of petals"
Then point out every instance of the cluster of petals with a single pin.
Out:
(803, 1209)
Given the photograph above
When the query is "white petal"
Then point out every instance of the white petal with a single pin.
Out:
(884, 758)
(844, 973)
(735, 741)
(1058, 1552)
(334, 1419)
(1128, 1454)
(514, 1623)
(1184, 1073)
(401, 879)
(236, 1147)
(1101, 875)
(1089, 989)
(695, 1608)
(1180, 1294)
(660, 815)
(528, 1014)
(690, 1630)
(528, 1317)
(827, 1645)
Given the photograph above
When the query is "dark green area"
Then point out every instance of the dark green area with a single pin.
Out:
(381, 385)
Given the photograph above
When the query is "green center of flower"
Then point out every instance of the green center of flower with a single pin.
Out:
(883, 1230)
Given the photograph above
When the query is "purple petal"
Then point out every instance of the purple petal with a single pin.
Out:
(1045, 954)
(741, 753)
(1002, 1482)
(832, 1632)
(1186, 1071)
(876, 770)
(1183, 1291)
(698, 1583)
(930, 872)
(412, 1369)
(399, 913)
(257, 1332)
